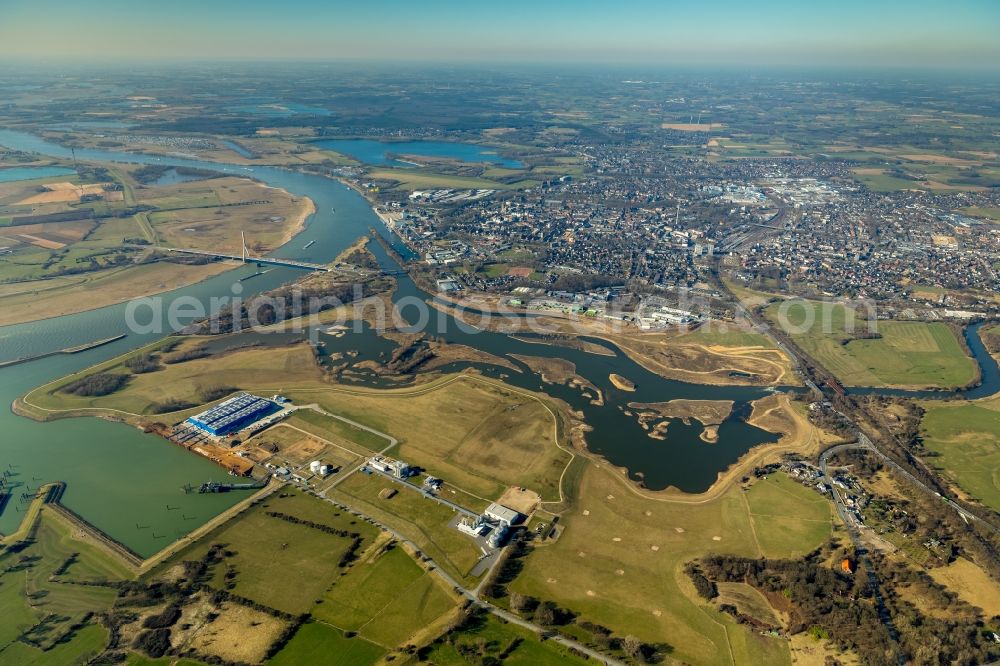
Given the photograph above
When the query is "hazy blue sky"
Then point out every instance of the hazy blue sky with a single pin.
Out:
(897, 32)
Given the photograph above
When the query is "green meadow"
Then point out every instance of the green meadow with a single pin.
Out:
(903, 353)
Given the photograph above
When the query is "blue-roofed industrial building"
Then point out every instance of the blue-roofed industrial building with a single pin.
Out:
(232, 414)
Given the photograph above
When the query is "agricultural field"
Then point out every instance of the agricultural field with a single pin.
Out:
(40, 606)
(211, 213)
(276, 568)
(906, 354)
(966, 438)
(992, 214)
(66, 295)
(478, 435)
(265, 550)
(901, 167)
(425, 522)
(386, 599)
(879, 180)
(279, 568)
(315, 642)
(628, 555)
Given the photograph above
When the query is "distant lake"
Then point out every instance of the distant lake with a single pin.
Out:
(172, 177)
(377, 152)
(73, 125)
(238, 149)
(30, 173)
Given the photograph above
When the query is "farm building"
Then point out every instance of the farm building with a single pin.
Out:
(232, 414)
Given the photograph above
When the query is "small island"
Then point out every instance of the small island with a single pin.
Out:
(655, 417)
(623, 383)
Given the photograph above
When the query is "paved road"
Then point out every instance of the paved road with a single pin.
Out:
(440, 500)
(473, 595)
(859, 547)
(316, 408)
(864, 442)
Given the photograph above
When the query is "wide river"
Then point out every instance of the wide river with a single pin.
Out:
(123, 481)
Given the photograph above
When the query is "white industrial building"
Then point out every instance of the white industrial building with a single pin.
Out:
(494, 524)
(396, 468)
(475, 527)
(502, 514)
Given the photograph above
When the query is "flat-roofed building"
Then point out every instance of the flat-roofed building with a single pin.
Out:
(232, 414)
(502, 514)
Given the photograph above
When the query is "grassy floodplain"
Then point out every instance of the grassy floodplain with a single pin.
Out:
(628, 555)
(480, 434)
(710, 354)
(185, 382)
(53, 263)
(425, 522)
(910, 354)
(966, 437)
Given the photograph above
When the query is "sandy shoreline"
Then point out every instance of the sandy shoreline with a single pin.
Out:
(299, 219)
